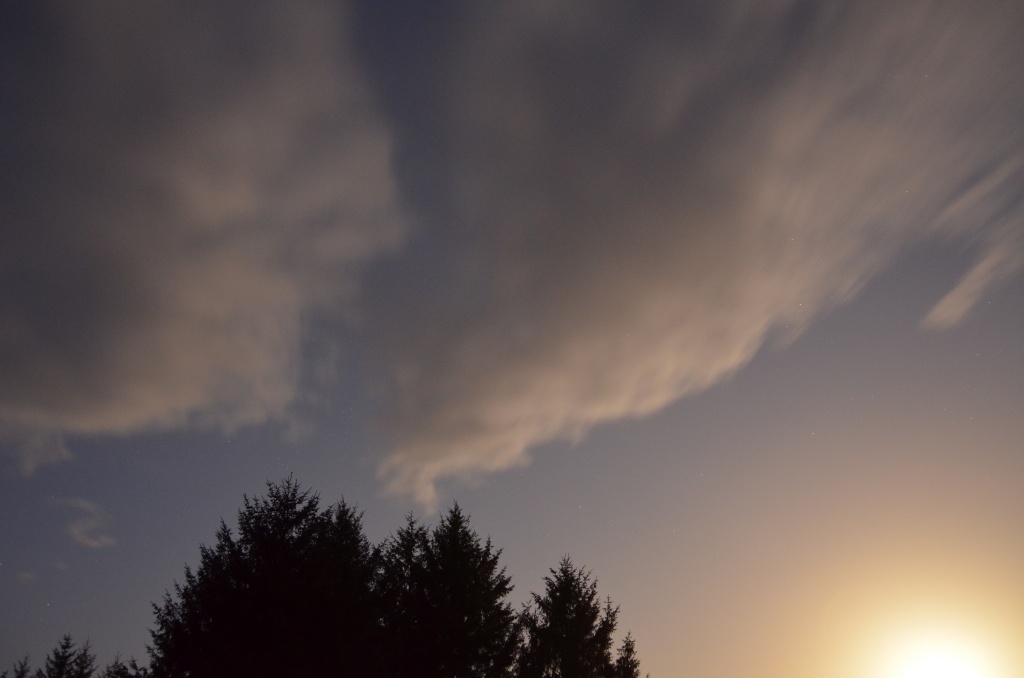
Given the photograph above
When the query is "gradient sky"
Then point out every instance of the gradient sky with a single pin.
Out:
(719, 298)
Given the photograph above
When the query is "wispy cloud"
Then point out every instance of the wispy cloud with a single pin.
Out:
(1002, 260)
(88, 527)
(643, 197)
(35, 447)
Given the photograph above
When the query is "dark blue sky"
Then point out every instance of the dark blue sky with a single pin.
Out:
(719, 298)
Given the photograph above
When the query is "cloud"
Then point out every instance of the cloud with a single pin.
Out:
(27, 577)
(538, 216)
(185, 188)
(87, 529)
(635, 200)
(37, 448)
(1000, 261)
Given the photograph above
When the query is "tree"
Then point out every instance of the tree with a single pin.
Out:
(21, 668)
(568, 631)
(65, 661)
(301, 592)
(445, 612)
(291, 595)
(627, 663)
(119, 669)
(399, 587)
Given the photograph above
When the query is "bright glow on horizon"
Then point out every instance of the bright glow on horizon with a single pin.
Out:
(937, 653)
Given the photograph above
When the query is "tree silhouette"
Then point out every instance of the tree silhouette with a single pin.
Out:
(119, 669)
(627, 663)
(65, 661)
(400, 584)
(568, 631)
(291, 596)
(443, 593)
(301, 592)
(21, 669)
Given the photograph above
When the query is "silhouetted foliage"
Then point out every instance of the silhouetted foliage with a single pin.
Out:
(291, 596)
(64, 662)
(301, 592)
(568, 631)
(443, 594)
(627, 663)
(21, 668)
(118, 669)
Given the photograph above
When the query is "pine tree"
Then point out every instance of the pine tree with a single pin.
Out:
(300, 592)
(21, 668)
(119, 669)
(627, 663)
(445, 608)
(568, 629)
(399, 586)
(291, 595)
(67, 662)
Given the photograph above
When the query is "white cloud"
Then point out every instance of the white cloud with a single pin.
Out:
(88, 528)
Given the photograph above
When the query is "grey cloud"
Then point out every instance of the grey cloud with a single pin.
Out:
(87, 529)
(37, 448)
(615, 204)
(183, 188)
(637, 198)
(1001, 261)
(26, 577)
(994, 199)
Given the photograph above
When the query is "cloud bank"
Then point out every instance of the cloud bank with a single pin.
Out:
(540, 216)
(183, 187)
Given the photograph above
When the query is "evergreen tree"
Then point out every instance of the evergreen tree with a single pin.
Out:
(445, 611)
(399, 585)
(300, 592)
(627, 663)
(67, 662)
(21, 668)
(119, 669)
(568, 630)
(290, 596)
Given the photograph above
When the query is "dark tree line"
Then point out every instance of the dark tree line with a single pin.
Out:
(68, 660)
(300, 591)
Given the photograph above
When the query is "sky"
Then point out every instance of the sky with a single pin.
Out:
(722, 299)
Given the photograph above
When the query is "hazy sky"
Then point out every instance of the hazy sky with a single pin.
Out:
(719, 298)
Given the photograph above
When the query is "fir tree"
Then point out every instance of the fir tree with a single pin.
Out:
(445, 602)
(67, 662)
(21, 668)
(568, 629)
(290, 596)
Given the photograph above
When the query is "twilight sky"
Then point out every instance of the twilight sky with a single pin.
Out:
(719, 298)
